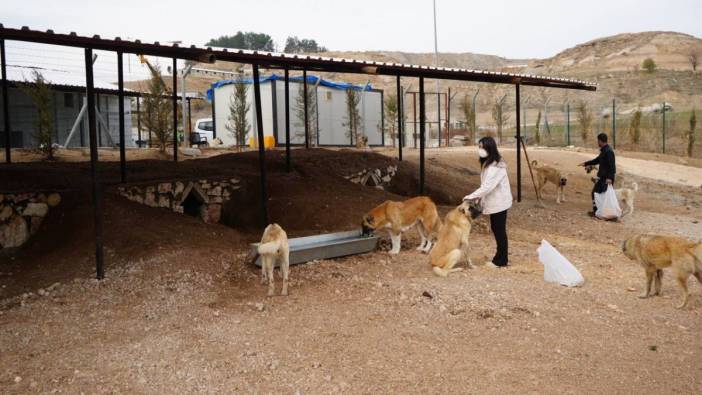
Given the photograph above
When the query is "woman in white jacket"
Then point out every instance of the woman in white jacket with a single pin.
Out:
(495, 195)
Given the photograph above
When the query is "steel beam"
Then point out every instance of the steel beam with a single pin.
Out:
(307, 126)
(261, 144)
(175, 109)
(94, 173)
(5, 104)
(400, 126)
(422, 120)
(519, 143)
(287, 120)
(120, 97)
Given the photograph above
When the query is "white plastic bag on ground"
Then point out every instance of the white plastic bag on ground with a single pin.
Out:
(557, 269)
(607, 204)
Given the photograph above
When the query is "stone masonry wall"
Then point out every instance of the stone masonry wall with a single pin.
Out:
(21, 215)
(171, 195)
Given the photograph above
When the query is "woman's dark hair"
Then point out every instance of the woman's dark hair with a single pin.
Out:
(490, 146)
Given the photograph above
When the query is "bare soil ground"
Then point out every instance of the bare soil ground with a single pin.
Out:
(180, 311)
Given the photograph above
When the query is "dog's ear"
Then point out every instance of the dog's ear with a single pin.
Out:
(368, 219)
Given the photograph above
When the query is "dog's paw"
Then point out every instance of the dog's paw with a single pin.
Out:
(643, 296)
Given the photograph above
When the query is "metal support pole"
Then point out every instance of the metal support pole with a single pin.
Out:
(214, 118)
(475, 116)
(307, 126)
(422, 119)
(175, 110)
(190, 118)
(5, 103)
(287, 119)
(614, 123)
(94, 174)
(519, 143)
(663, 112)
(400, 126)
(120, 97)
(148, 115)
(414, 114)
(568, 122)
(448, 118)
(139, 119)
(438, 116)
(261, 145)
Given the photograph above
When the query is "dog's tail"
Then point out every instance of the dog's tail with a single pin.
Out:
(269, 248)
(534, 163)
(635, 186)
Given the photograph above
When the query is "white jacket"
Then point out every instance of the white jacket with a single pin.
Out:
(494, 193)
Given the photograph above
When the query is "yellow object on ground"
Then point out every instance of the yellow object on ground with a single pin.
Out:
(268, 142)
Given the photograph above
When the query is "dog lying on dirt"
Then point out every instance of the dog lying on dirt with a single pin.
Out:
(626, 196)
(657, 252)
(453, 243)
(546, 174)
(274, 248)
(398, 217)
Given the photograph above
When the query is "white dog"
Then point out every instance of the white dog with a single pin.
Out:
(626, 196)
(274, 248)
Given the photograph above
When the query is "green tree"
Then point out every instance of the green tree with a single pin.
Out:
(311, 112)
(500, 116)
(585, 117)
(690, 135)
(635, 127)
(38, 90)
(244, 40)
(238, 124)
(296, 45)
(649, 65)
(353, 117)
(469, 115)
(158, 108)
(391, 109)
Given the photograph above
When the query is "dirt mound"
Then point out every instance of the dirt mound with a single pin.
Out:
(313, 198)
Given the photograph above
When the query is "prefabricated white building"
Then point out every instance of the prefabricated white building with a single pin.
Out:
(67, 97)
(331, 111)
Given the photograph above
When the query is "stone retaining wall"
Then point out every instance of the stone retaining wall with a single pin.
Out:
(172, 195)
(379, 178)
(21, 216)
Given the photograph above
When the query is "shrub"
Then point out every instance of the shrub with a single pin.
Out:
(649, 65)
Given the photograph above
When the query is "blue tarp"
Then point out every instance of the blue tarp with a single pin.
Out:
(311, 79)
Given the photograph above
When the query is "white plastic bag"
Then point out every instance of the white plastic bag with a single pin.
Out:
(607, 204)
(557, 269)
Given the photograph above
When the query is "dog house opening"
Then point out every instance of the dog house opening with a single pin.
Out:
(193, 202)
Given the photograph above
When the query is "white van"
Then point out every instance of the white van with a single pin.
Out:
(202, 132)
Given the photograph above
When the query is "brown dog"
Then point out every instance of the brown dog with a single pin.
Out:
(657, 252)
(546, 174)
(398, 217)
(453, 242)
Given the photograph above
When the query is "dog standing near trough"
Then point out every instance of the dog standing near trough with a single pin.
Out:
(274, 248)
(399, 217)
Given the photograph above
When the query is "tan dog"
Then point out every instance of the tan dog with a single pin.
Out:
(398, 217)
(657, 252)
(626, 196)
(546, 174)
(274, 248)
(453, 243)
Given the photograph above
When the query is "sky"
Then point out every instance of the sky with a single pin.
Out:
(513, 29)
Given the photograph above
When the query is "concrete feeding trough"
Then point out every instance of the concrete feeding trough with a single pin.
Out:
(326, 246)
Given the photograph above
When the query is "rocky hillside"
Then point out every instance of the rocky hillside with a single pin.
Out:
(626, 52)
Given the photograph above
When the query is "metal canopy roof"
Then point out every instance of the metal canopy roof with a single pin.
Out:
(292, 61)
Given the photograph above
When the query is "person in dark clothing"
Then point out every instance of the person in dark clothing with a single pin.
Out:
(607, 169)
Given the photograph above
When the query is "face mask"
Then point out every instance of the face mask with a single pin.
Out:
(482, 153)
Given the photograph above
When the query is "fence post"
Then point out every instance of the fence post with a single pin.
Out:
(663, 111)
(614, 123)
(568, 122)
